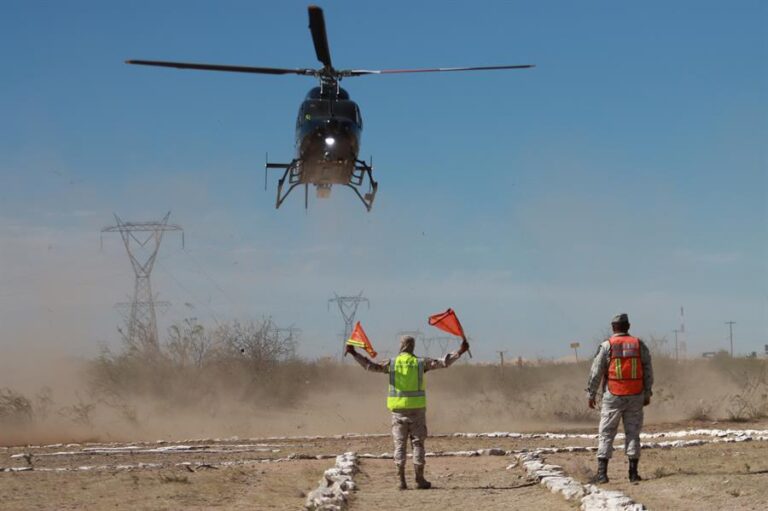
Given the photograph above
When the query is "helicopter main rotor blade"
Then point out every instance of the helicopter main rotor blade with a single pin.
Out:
(319, 37)
(361, 72)
(216, 67)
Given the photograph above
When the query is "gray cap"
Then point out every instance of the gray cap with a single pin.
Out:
(407, 343)
(620, 318)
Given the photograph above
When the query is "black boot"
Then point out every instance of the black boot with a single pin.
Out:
(421, 483)
(633, 475)
(401, 475)
(602, 471)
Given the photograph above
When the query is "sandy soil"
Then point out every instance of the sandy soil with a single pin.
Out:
(715, 476)
(276, 474)
(279, 486)
(458, 483)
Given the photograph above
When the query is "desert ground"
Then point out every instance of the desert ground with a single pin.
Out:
(691, 465)
(156, 429)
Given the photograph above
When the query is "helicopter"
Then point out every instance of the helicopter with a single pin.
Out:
(329, 124)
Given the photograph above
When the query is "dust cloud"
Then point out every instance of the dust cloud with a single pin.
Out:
(49, 397)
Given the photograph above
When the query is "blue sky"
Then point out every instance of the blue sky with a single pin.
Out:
(626, 172)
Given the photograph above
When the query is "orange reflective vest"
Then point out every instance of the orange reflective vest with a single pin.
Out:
(625, 370)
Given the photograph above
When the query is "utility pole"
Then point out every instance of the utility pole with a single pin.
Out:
(730, 329)
(683, 350)
(676, 350)
(142, 242)
(576, 346)
(348, 307)
(501, 358)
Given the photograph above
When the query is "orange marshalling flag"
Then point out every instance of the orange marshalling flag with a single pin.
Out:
(360, 340)
(447, 322)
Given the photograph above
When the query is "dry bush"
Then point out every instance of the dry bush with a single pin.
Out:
(80, 413)
(701, 411)
(248, 362)
(43, 403)
(751, 400)
(15, 409)
(201, 373)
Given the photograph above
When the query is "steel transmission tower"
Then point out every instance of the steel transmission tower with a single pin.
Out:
(142, 242)
(348, 307)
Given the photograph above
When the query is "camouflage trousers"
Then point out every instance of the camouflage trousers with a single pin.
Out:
(615, 409)
(409, 424)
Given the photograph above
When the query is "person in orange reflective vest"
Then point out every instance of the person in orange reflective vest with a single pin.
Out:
(622, 368)
(407, 400)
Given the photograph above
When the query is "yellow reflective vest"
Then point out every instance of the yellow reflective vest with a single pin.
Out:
(406, 383)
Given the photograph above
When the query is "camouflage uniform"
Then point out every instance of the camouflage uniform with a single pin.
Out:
(614, 408)
(408, 423)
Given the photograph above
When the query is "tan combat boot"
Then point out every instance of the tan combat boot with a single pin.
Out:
(401, 475)
(421, 483)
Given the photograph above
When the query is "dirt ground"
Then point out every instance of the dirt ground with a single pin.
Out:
(458, 483)
(715, 476)
(278, 486)
(278, 473)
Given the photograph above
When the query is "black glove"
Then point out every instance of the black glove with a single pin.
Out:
(464, 347)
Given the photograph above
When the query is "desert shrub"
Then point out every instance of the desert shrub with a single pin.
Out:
(15, 408)
(252, 362)
(80, 413)
(43, 402)
(253, 366)
(701, 411)
(751, 400)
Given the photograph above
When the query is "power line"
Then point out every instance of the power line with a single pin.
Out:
(190, 293)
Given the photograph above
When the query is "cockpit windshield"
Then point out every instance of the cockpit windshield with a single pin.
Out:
(346, 110)
(316, 108)
(313, 109)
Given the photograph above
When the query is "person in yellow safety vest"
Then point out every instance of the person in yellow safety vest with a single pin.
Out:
(407, 400)
(622, 368)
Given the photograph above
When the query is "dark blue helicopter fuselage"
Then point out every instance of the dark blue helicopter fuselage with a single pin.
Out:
(328, 131)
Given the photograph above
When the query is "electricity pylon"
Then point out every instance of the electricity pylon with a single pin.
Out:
(444, 341)
(142, 242)
(348, 307)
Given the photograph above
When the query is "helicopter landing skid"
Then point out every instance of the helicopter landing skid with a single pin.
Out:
(292, 178)
(362, 171)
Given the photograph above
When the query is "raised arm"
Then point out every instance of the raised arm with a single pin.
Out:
(446, 361)
(367, 363)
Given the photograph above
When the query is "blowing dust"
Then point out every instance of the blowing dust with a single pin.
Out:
(135, 396)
